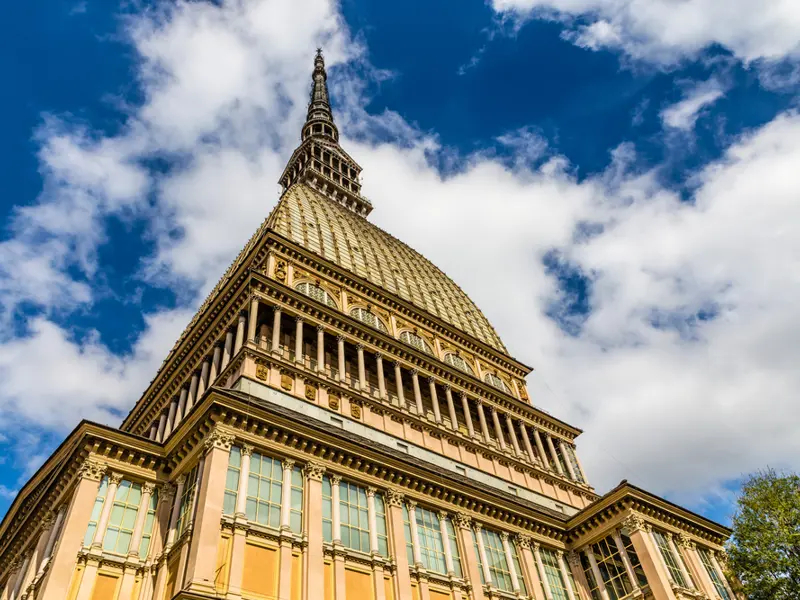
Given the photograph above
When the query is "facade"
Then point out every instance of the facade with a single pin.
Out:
(340, 422)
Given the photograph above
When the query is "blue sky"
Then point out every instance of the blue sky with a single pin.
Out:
(616, 190)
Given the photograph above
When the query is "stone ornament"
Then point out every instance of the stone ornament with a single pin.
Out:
(218, 438)
(262, 372)
(574, 560)
(394, 497)
(148, 488)
(92, 469)
(280, 271)
(287, 381)
(524, 541)
(115, 478)
(355, 410)
(333, 402)
(685, 541)
(311, 392)
(634, 522)
(314, 471)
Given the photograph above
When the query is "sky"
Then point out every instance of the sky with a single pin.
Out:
(615, 183)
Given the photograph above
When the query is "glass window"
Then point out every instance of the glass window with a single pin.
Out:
(552, 570)
(429, 534)
(232, 481)
(296, 501)
(478, 556)
(327, 510)
(496, 557)
(412, 339)
(149, 520)
(587, 571)
(369, 318)
(716, 578)
(96, 510)
(517, 566)
(264, 488)
(119, 532)
(634, 558)
(612, 569)
(187, 502)
(494, 380)
(316, 292)
(451, 536)
(669, 558)
(380, 517)
(354, 515)
(454, 360)
(407, 534)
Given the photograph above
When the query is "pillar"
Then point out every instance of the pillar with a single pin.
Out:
(227, 351)
(105, 514)
(512, 570)
(649, 557)
(51, 540)
(451, 408)
(437, 413)
(498, 429)
(381, 377)
(320, 349)
(276, 330)
(298, 340)
(286, 494)
(285, 576)
(681, 565)
(362, 373)
(469, 561)
(239, 542)
(598, 577)
(153, 432)
(487, 574)
(237, 344)
(315, 561)
(554, 455)
(171, 411)
(467, 415)
(141, 515)
(417, 393)
(527, 443)
(697, 570)
(540, 447)
(340, 354)
(162, 425)
(398, 382)
(482, 419)
(512, 433)
(537, 555)
(336, 508)
(412, 518)
(202, 384)
(583, 591)
(402, 578)
(252, 320)
(448, 552)
(216, 357)
(190, 400)
(564, 575)
(721, 573)
(568, 462)
(528, 562)
(373, 520)
(246, 452)
(176, 509)
(626, 561)
(22, 575)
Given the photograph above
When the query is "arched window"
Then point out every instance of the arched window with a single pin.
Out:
(412, 339)
(365, 316)
(316, 292)
(494, 380)
(454, 360)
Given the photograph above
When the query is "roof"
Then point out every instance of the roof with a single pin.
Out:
(347, 239)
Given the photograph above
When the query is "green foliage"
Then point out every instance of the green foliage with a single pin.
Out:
(764, 553)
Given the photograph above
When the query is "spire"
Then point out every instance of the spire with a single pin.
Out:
(319, 161)
(319, 120)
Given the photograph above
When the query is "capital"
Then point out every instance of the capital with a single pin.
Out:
(340, 338)
(394, 497)
(314, 471)
(320, 328)
(218, 438)
(47, 520)
(92, 469)
(574, 560)
(148, 488)
(115, 478)
(412, 504)
(442, 514)
(462, 520)
(359, 347)
(414, 372)
(288, 464)
(504, 536)
(379, 356)
(336, 479)
(634, 522)
(246, 449)
(371, 491)
(523, 540)
(685, 541)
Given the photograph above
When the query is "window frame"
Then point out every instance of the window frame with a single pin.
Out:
(499, 384)
(326, 297)
(275, 487)
(120, 523)
(454, 357)
(423, 345)
(670, 560)
(379, 324)
(713, 574)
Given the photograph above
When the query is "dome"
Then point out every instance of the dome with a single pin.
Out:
(347, 239)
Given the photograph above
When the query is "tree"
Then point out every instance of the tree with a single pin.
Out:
(764, 553)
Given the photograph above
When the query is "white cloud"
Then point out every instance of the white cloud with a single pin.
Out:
(675, 403)
(666, 31)
(684, 114)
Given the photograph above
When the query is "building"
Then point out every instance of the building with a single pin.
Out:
(340, 422)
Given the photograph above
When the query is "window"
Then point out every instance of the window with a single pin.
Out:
(587, 571)
(498, 565)
(187, 502)
(296, 501)
(451, 537)
(429, 534)
(369, 318)
(380, 518)
(147, 533)
(552, 570)
(232, 481)
(96, 510)
(412, 339)
(327, 510)
(493, 380)
(407, 533)
(716, 578)
(634, 558)
(612, 568)
(316, 292)
(454, 360)
(264, 488)
(478, 556)
(669, 558)
(354, 516)
(119, 532)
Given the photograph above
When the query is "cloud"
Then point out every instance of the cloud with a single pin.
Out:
(684, 114)
(664, 31)
(681, 370)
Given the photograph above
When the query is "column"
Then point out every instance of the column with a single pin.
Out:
(398, 382)
(51, 539)
(553, 454)
(23, 571)
(336, 508)
(693, 564)
(512, 433)
(467, 415)
(171, 412)
(417, 393)
(156, 579)
(650, 557)
(286, 494)
(181, 411)
(568, 462)
(105, 514)
(437, 413)
(721, 573)
(315, 561)
(512, 570)
(540, 447)
(451, 408)
(487, 574)
(362, 373)
(237, 344)
(215, 361)
(227, 351)
(373, 520)
(320, 349)
(203, 383)
(402, 578)
(153, 432)
(482, 419)
(276, 330)
(298, 340)
(138, 528)
(244, 473)
(176, 509)
(340, 354)
(263, 342)
(190, 400)
(162, 425)
(252, 320)
(285, 575)
(542, 573)
(598, 577)
(528, 562)
(626, 560)
(239, 542)
(412, 518)
(527, 442)
(381, 377)
(469, 561)
(679, 559)
(579, 576)
(448, 552)
(565, 576)
(498, 429)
